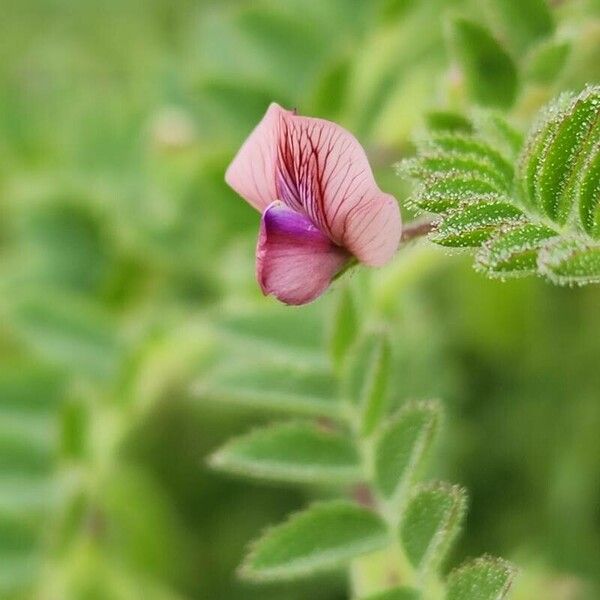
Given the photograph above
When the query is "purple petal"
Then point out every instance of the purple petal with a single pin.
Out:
(319, 169)
(295, 261)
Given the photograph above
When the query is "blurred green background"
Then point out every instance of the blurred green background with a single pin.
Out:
(128, 297)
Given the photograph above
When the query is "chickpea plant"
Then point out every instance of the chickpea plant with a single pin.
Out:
(527, 202)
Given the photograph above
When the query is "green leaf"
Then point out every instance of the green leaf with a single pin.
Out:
(150, 535)
(443, 164)
(288, 337)
(300, 452)
(53, 230)
(513, 252)
(547, 60)
(26, 388)
(470, 145)
(523, 22)
(442, 193)
(588, 193)
(570, 262)
(484, 578)
(399, 593)
(489, 71)
(273, 387)
(474, 224)
(74, 429)
(565, 152)
(70, 333)
(324, 536)
(446, 121)
(402, 447)
(430, 523)
(344, 327)
(501, 135)
(532, 155)
(366, 379)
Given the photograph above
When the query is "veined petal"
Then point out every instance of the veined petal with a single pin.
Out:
(252, 172)
(323, 171)
(295, 261)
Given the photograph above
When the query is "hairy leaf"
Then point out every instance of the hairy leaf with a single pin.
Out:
(402, 447)
(499, 133)
(570, 262)
(366, 378)
(588, 193)
(291, 452)
(457, 163)
(531, 158)
(557, 179)
(470, 145)
(489, 72)
(475, 224)
(565, 152)
(484, 578)
(513, 252)
(442, 193)
(324, 536)
(430, 523)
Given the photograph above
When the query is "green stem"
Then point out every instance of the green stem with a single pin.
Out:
(386, 568)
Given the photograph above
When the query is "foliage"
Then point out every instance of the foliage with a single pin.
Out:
(355, 445)
(536, 217)
(128, 301)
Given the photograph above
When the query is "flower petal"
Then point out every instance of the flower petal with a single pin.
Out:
(323, 171)
(252, 172)
(295, 261)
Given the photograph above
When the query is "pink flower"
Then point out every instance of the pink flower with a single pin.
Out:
(320, 205)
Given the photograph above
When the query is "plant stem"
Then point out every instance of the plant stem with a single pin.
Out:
(416, 229)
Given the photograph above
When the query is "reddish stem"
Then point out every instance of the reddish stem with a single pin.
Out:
(416, 229)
